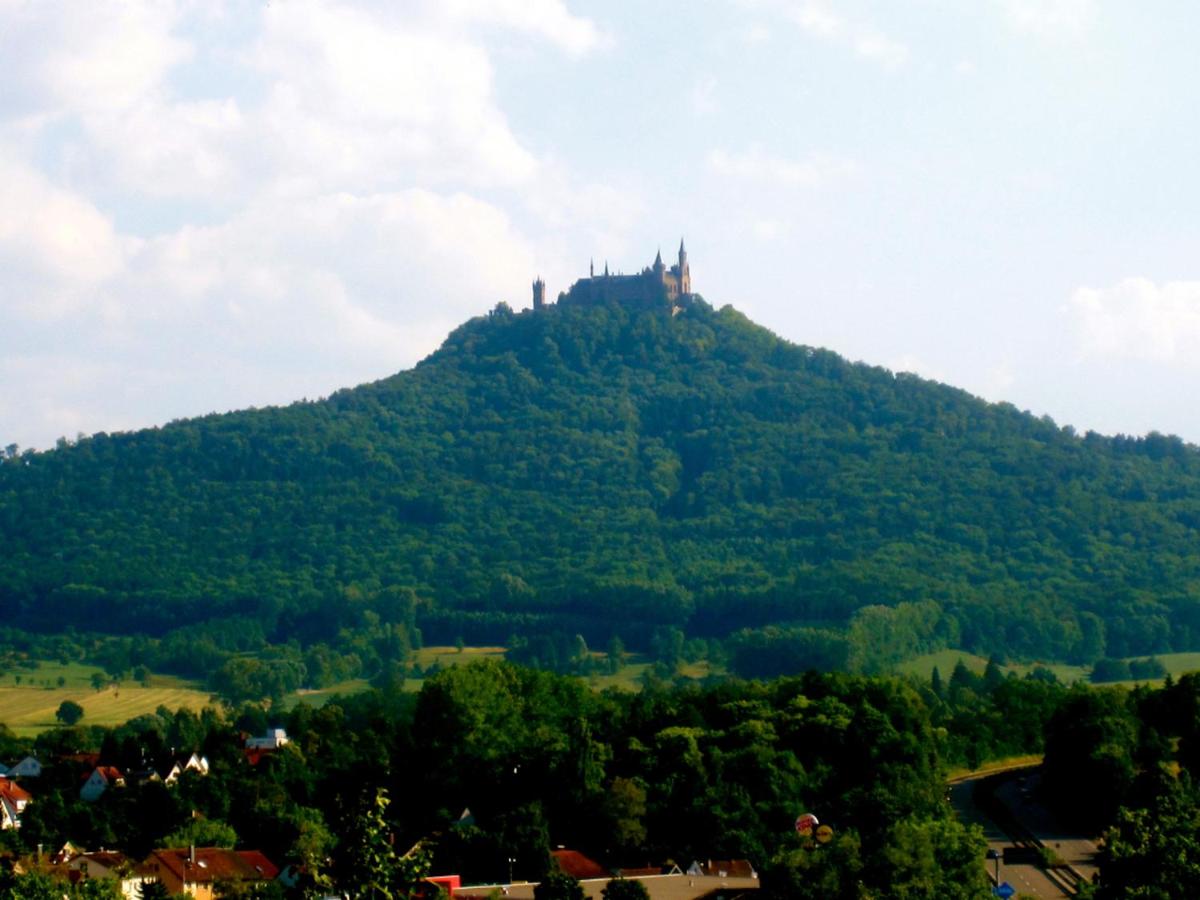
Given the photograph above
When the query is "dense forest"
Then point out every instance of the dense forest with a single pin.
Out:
(611, 472)
(492, 762)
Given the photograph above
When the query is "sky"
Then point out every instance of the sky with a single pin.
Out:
(210, 205)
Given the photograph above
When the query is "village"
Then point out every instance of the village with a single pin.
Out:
(214, 873)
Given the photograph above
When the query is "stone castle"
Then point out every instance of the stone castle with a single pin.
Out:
(655, 285)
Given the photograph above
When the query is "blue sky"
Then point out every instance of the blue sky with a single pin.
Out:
(214, 205)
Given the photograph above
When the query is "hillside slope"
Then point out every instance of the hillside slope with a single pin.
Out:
(601, 469)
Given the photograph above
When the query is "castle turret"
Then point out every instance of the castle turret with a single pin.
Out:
(539, 293)
(685, 274)
(659, 268)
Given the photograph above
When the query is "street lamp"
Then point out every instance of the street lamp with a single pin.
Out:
(993, 853)
(511, 860)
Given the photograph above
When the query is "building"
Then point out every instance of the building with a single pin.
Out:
(272, 740)
(13, 800)
(201, 872)
(104, 864)
(655, 286)
(101, 779)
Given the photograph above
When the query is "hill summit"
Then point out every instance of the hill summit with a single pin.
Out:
(611, 468)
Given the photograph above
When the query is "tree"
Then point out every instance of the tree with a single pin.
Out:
(369, 867)
(69, 712)
(1153, 852)
(153, 890)
(202, 833)
(624, 889)
(559, 886)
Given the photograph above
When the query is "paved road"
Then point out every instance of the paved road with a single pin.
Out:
(1019, 795)
(1026, 878)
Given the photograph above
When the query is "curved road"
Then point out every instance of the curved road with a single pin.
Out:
(1025, 877)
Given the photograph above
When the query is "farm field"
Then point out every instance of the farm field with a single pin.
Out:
(30, 694)
(28, 711)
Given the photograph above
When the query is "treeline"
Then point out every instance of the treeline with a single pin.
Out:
(611, 472)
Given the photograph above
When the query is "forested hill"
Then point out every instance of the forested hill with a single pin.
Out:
(601, 470)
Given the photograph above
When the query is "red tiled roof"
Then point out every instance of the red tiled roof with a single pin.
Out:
(579, 866)
(109, 858)
(212, 864)
(13, 791)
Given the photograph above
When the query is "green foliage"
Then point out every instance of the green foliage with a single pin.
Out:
(69, 712)
(153, 890)
(1089, 764)
(1153, 852)
(37, 886)
(559, 886)
(625, 889)
(931, 859)
(591, 471)
(369, 868)
(202, 833)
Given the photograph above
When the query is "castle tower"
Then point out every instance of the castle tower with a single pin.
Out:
(659, 268)
(539, 293)
(685, 274)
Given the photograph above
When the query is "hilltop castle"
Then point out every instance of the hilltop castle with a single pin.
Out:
(655, 285)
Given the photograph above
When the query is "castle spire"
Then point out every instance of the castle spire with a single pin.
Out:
(592, 267)
(685, 273)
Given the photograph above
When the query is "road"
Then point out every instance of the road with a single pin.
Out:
(1025, 877)
(1019, 795)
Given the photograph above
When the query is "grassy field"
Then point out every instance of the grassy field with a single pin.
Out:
(1175, 663)
(452, 656)
(946, 660)
(29, 697)
(1179, 663)
(30, 711)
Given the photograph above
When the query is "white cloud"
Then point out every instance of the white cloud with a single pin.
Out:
(755, 164)
(819, 20)
(548, 19)
(881, 48)
(354, 101)
(1140, 320)
(84, 56)
(1049, 17)
(206, 209)
(55, 246)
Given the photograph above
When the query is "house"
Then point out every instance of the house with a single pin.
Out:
(105, 864)
(272, 740)
(101, 779)
(201, 871)
(194, 763)
(13, 800)
(29, 767)
(64, 853)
